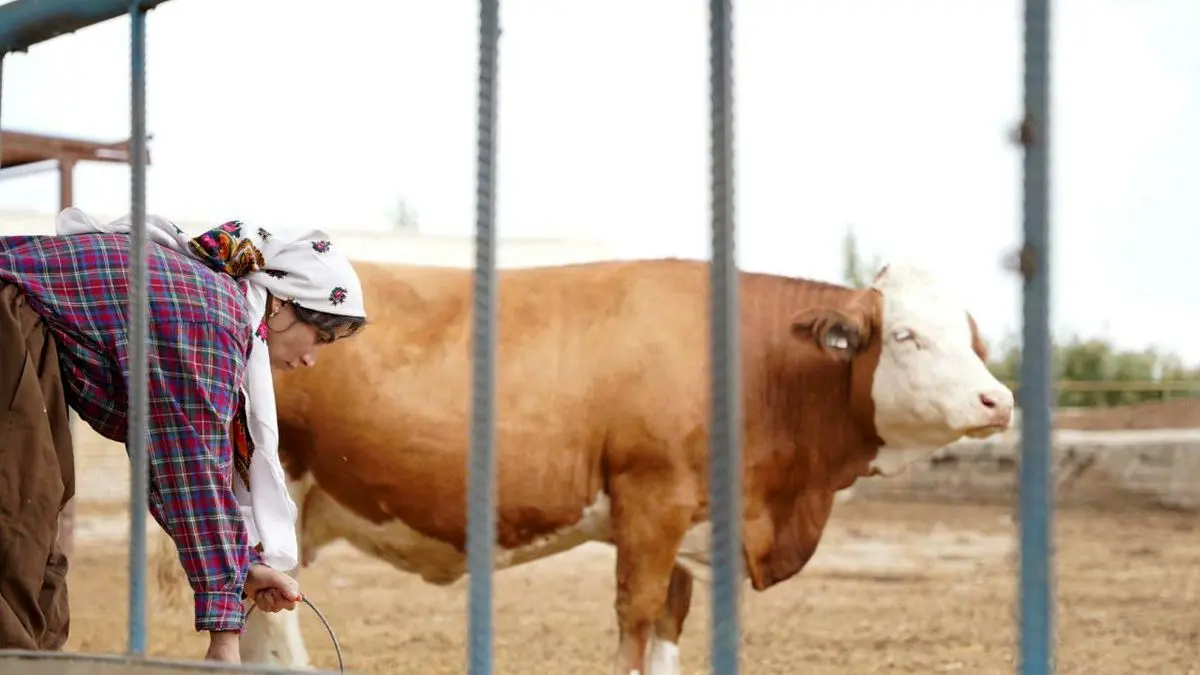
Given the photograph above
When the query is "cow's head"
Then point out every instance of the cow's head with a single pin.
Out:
(917, 356)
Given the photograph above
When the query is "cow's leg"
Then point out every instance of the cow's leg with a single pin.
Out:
(663, 653)
(274, 638)
(649, 521)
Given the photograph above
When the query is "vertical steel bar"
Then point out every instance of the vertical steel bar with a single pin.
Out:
(481, 491)
(724, 473)
(1036, 497)
(137, 383)
(2, 55)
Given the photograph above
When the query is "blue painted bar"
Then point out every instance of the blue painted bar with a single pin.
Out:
(25, 23)
(725, 442)
(1, 101)
(1036, 491)
(139, 310)
(481, 490)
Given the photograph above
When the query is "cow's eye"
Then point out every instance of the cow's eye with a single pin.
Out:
(906, 335)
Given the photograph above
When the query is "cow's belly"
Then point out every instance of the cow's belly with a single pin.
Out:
(324, 521)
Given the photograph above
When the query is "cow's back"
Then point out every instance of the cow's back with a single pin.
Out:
(592, 359)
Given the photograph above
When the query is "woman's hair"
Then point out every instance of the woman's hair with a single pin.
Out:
(329, 326)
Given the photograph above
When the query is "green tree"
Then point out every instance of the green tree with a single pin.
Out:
(404, 217)
(1074, 360)
(1005, 361)
(856, 272)
(1097, 360)
(1082, 361)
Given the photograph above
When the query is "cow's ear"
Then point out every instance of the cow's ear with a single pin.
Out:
(840, 334)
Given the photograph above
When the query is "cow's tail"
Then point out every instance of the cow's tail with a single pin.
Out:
(173, 590)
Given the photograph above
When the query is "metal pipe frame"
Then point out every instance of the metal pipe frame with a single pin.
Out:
(28, 22)
(25, 23)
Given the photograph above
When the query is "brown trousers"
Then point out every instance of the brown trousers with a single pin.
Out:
(37, 477)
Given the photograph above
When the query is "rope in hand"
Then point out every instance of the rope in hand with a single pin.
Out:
(336, 647)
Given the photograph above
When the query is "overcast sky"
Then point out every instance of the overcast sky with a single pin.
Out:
(890, 116)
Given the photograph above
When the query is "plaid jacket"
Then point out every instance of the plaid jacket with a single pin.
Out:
(199, 339)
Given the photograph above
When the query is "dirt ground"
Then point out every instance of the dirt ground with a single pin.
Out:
(894, 588)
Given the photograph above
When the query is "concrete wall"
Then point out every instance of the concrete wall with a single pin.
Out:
(1158, 468)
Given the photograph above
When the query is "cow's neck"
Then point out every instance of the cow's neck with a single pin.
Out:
(296, 443)
(807, 436)
(800, 403)
(811, 425)
(803, 443)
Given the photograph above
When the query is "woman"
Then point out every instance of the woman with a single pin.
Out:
(225, 308)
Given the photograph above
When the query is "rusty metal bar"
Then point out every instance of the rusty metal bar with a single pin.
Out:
(66, 182)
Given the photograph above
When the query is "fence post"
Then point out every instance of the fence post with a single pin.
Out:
(481, 470)
(725, 450)
(139, 310)
(1035, 492)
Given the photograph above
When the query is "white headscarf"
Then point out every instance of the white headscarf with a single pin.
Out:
(303, 268)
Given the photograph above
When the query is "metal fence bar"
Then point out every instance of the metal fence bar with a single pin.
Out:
(2, 55)
(24, 23)
(481, 472)
(724, 464)
(139, 309)
(1036, 503)
(1121, 386)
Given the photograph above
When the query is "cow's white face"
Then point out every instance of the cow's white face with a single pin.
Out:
(930, 386)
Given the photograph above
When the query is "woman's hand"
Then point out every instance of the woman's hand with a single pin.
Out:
(271, 590)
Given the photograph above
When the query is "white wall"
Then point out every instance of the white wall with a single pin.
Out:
(406, 247)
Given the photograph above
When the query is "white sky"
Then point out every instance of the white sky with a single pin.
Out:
(891, 116)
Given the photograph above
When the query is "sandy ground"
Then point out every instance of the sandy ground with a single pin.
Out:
(894, 588)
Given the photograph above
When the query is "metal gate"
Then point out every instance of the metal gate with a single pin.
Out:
(25, 23)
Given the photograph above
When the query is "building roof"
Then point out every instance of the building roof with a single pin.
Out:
(18, 148)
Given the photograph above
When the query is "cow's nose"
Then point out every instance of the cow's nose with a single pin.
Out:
(999, 405)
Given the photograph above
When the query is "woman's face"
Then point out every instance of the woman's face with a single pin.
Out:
(291, 343)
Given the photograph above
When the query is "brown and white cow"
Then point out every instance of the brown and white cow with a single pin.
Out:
(602, 423)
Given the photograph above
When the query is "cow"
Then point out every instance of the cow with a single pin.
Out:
(602, 424)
